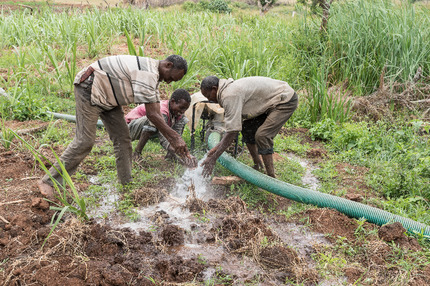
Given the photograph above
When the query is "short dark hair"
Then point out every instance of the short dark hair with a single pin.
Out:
(179, 94)
(178, 62)
(208, 82)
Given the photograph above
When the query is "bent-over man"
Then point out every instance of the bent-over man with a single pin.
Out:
(100, 90)
(257, 106)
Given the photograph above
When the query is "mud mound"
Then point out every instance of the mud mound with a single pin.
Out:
(178, 269)
(333, 223)
(397, 233)
(387, 101)
(288, 264)
(232, 205)
(94, 254)
(172, 235)
(316, 153)
(249, 235)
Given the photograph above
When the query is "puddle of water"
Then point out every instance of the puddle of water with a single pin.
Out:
(171, 207)
(107, 205)
(243, 268)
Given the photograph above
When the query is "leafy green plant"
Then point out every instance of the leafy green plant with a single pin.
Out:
(219, 6)
(201, 217)
(22, 101)
(131, 48)
(324, 129)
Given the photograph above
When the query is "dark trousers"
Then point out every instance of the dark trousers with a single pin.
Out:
(262, 129)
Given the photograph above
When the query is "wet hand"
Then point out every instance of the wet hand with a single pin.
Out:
(180, 147)
(208, 166)
(190, 161)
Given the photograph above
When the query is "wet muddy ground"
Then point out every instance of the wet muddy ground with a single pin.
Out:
(187, 239)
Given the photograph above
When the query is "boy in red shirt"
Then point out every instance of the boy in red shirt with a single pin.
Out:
(142, 129)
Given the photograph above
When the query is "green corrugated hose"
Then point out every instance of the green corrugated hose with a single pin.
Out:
(302, 195)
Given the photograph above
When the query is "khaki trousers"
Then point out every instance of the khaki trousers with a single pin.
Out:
(86, 127)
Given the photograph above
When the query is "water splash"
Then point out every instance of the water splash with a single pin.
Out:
(193, 177)
(172, 207)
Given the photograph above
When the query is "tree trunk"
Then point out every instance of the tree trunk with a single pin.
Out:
(325, 5)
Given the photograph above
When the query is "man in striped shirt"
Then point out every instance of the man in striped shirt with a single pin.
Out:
(100, 90)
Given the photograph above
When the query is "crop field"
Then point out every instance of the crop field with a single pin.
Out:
(361, 132)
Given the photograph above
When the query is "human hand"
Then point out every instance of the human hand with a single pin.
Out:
(208, 165)
(190, 161)
(180, 147)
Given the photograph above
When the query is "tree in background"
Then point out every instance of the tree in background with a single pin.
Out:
(264, 5)
(321, 7)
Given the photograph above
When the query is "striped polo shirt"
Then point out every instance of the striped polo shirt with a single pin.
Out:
(122, 80)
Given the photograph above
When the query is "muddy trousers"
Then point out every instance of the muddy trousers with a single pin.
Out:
(86, 127)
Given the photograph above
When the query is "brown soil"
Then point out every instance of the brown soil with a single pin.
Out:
(95, 253)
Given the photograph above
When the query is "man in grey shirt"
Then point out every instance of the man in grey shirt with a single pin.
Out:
(256, 106)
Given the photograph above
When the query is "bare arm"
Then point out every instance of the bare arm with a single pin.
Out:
(216, 151)
(154, 115)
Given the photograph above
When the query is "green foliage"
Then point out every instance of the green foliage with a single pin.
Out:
(6, 135)
(190, 6)
(397, 156)
(252, 195)
(22, 102)
(219, 6)
(320, 102)
(290, 171)
(290, 143)
(324, 129)
(350, 135)
(414, 207)
(363, 39)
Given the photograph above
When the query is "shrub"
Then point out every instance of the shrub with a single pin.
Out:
(219, 6)
(324, 129)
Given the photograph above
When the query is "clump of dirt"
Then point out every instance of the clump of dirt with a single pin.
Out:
(353, 274)
(288, 264)
(397, 233)
(316, 153)
(172, 235)
(149, 196)
(179, 270)
(334, 223)
(247, 234)
(231, 205)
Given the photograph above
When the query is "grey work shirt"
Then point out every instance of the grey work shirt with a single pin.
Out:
(250, 97)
